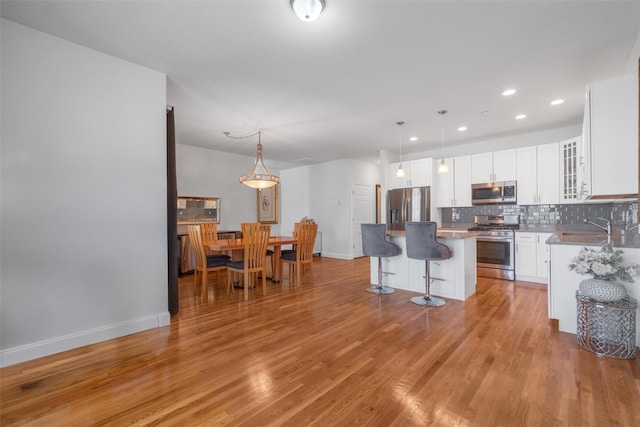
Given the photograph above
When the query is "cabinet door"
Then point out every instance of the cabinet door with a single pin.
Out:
(548, 173)
(570, 152)
(614, 136)
(462, 180)
(542, 255)
(481, 168)
(504, 165)
(399, 182)
(420, 175)
(527, 174)
(444, 185)
(526, 252)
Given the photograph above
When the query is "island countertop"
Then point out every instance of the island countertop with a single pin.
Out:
(442, 232)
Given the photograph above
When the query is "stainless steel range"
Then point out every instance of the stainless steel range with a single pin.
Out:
(496, 245)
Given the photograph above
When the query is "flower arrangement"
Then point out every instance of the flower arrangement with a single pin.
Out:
(604, 264)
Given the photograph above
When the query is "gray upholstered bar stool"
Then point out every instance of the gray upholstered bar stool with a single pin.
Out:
(422, 244)
(374, 243)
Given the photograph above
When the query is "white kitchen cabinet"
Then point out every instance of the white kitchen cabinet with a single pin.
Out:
(532, 256)
(610, 138)
(417, 174)
(493, 166)
(571, 170)
(526, 263)
(538, 174)
(542, 255)
(453, 188)
(462, 172)
(527, 175)
(444, 185)
(564, 282)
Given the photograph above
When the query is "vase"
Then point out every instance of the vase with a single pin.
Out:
(602, 290)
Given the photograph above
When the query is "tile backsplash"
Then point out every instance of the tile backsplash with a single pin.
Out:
(620, 213)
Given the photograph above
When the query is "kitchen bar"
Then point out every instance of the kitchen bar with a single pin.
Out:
(458, 273)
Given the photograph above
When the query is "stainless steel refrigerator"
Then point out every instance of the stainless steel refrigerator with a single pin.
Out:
(407, 204)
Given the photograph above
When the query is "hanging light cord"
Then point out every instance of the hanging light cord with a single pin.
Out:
(228, 135)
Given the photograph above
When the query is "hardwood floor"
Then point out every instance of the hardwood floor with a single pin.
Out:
(329, 353)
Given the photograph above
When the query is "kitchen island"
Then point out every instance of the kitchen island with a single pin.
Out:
(458, 272)
(564, 246)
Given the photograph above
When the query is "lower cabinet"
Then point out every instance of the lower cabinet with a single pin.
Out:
(532, 256)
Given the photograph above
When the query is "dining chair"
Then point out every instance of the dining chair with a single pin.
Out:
(254, 260)
(209, 233)
(204, 264)
(303, 253)
(248, 227)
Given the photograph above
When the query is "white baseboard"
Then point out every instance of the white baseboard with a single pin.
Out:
(67, 342)
(337, 256)
(531, 279)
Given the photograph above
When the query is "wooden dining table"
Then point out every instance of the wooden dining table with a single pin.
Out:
(232, 245)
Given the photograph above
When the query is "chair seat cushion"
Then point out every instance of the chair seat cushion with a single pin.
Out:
(222, 256)
(290, 256)
(216, 262)
(236, 264)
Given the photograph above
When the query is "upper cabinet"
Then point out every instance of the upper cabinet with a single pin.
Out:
(538, 174)
(610, 139)
(453, 188)
(571, 170)
(417, 174)
(493, 166)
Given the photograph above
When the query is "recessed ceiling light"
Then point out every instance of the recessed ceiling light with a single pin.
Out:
(413, 138)
(557, 101)
(521, 116)
(462, 128)
(509, 92)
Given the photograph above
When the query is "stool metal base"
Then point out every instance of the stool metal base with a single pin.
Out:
(427, 301)
(380, 290)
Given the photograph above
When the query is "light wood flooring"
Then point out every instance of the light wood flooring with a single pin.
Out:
(330, 354)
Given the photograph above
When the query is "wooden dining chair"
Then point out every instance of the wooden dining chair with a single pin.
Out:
(255, 260)
(209, 233)
(248, 227)
(204, 264)
(303, 254)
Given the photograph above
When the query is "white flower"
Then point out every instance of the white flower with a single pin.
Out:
(604, 264)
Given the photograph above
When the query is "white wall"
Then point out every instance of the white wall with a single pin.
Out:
(209, 173)
(323, 192)
(83, 196)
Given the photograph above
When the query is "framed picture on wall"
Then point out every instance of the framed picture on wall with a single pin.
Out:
(268, 205)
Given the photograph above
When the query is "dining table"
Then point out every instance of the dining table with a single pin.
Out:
(236, 245)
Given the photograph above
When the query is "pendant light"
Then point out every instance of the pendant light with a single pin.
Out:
(443, 168)
(259, 177)
(307, 10)
(400, 173)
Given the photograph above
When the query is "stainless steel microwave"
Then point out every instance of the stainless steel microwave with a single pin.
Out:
(493, 192)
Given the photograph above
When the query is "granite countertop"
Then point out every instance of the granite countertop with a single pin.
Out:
(459, 233)
(619, 238)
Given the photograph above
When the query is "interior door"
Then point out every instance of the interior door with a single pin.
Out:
(361, 207)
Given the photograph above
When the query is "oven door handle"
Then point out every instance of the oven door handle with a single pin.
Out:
(494, 239)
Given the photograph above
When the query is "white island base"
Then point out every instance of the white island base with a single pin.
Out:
(458, 272)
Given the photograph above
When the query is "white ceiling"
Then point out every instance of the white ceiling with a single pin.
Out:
(336, 87)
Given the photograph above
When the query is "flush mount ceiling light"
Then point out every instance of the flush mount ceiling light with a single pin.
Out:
(508, 92)
(307, 10)
(557, 101)
(462, 128)
(443, 168)
(259, 177)
(521, 116)
(400, 173)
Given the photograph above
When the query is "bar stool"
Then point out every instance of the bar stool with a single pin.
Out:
(374, 243)
(422, 244)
